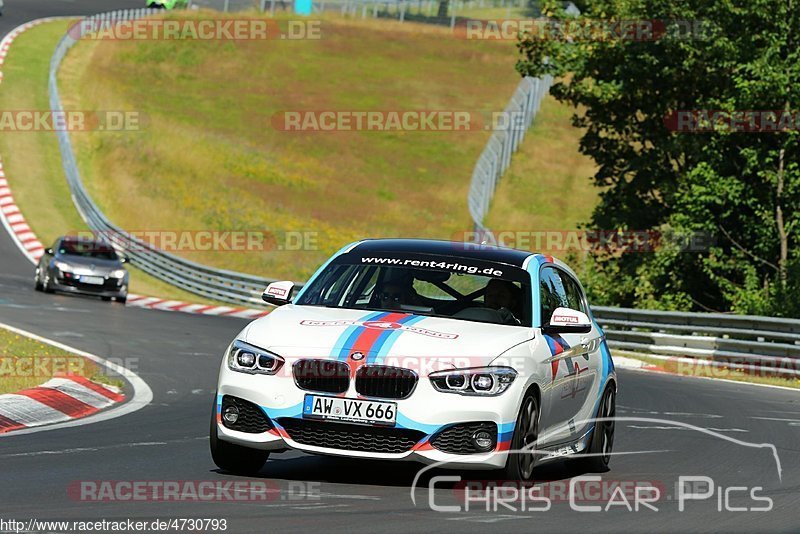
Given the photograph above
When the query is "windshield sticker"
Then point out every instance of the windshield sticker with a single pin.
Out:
(453, 266)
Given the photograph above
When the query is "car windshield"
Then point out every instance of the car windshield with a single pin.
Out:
(442, 287)
(87, 249)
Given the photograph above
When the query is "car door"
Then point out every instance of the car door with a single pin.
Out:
(574, 358)
(588, 364)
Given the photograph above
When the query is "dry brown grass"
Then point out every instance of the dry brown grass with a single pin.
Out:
(208, 157)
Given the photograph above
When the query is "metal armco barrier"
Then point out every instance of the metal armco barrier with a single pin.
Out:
(767, 343)
(496, 157)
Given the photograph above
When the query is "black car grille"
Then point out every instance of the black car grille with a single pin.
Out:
(111, 284)
(457, 439)
(351, 437)
(385, 382)
(322, 375)
(252, 419)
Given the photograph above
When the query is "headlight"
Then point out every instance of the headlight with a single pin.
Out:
(63, 267)
(119, 273)
(487, 381)
(246, 358)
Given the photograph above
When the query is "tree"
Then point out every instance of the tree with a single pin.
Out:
(738, 188)
(444, 5)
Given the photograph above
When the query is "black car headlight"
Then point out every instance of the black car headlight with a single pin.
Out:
(486, 381)
(247, 358)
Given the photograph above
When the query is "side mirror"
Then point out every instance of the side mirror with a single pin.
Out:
(49, 251)
(123, 259)
(278, 293)
(567, 321)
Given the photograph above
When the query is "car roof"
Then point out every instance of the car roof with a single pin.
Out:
(98, 244)
(83, 240)
(457, 249)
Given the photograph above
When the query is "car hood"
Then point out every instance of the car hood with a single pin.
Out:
(391, 338)
(94, 265)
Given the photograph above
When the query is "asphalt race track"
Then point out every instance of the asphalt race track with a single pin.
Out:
(18, 12)
(178, 356)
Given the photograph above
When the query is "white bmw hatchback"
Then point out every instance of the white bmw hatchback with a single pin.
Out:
(416, 350)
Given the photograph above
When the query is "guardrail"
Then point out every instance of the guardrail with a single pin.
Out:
(216, 284)
(496, 157)
(426, 11)
(768, 344)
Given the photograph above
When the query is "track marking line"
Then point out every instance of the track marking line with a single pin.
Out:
(88, 449)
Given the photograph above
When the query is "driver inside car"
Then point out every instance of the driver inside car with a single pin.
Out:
(503, 296)
(398, 291)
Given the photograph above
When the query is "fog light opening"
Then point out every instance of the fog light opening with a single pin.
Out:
(483, 441)
(231, 415)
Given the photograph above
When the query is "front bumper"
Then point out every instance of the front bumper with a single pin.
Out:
(110, 288)
(281, 400)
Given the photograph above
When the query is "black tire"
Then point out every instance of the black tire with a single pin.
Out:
(107, 299)
(520, 466)
(602, 441)
(234, 458)
(37, 284)
(121, 300)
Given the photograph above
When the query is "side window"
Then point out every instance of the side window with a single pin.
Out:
(551, 292)
(333, 285)
(574, 293)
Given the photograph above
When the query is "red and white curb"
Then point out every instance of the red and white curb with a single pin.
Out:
(55, 401)
(10, 214)
(15, 222)
(32, 248)
(633, 363)
(155, 303)
(5, 44)
(70, 401)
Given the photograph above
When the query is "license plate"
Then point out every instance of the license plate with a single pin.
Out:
(93, 280)
(350, 410)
